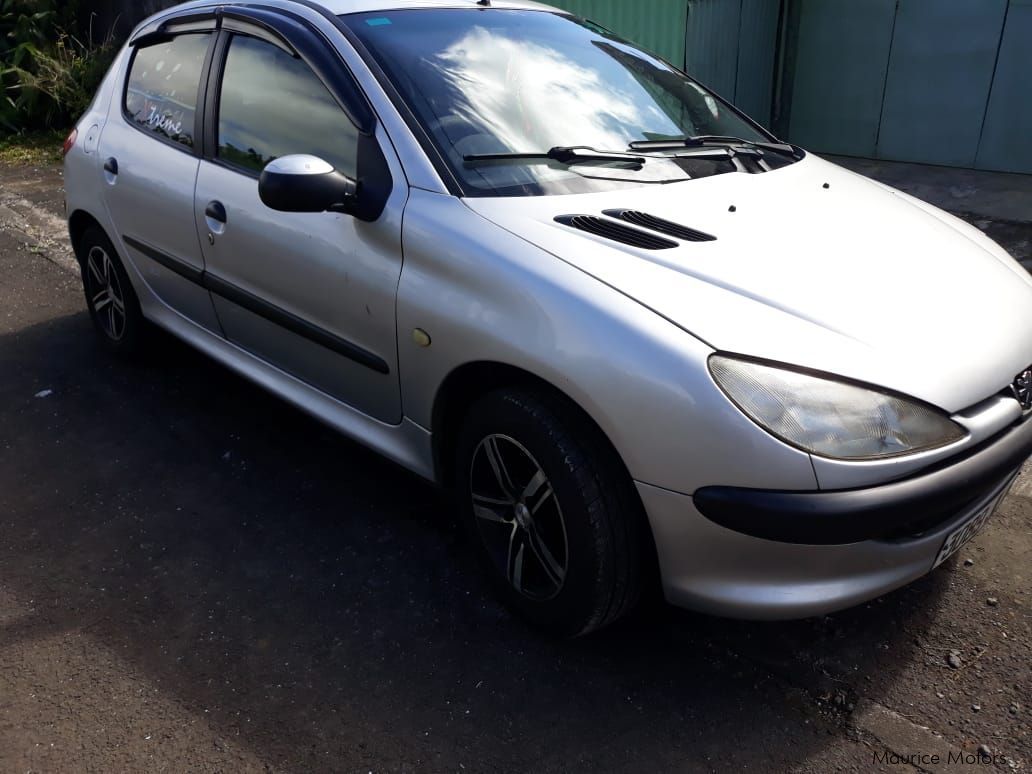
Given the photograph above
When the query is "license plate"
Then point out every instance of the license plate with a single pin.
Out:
(956, 539)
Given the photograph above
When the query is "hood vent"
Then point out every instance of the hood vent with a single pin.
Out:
(653, 223)
(618, 232)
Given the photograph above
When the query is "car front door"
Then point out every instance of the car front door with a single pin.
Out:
(150, 153)
(313, 294)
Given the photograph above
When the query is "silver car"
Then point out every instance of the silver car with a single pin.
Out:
(636, 335)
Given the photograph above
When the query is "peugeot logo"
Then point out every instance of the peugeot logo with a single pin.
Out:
(1022, 389)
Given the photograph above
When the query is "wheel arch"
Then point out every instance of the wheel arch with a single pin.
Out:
(471, 381)
(79, 222)
(462, 387)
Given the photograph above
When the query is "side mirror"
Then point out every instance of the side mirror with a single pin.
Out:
(304, 183)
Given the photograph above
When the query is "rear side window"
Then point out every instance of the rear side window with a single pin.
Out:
(161, 94)
(273, 105)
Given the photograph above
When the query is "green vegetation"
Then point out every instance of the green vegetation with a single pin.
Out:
(48, 75)
(31, 148)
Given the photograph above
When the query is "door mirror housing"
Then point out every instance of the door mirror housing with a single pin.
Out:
(303, 183)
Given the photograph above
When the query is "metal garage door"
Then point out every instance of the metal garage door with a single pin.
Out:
(934, 81)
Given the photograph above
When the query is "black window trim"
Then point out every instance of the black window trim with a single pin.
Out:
(287, 30)
(212, 92)
(235, 25)
(145, 41)
(307, 44)
(433, 153)
(175, 24)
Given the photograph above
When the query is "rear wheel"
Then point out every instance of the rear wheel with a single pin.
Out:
(551, 510)
(110, 298)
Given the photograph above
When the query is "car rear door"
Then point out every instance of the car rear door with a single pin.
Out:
(313, 294)
(150, 154)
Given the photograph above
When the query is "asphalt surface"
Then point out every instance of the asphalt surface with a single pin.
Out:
(196, 577)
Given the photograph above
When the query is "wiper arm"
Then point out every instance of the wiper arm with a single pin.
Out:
(702, 140)
(776, 147)
(563, 154)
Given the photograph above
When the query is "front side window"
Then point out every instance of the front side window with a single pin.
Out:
(273, 105)
(161, 92)
(499, 81)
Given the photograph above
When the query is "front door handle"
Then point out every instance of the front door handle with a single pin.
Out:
(216, 211)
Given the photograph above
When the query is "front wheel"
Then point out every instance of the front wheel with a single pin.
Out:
(551, 510)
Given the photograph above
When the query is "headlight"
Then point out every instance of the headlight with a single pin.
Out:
(831, 418)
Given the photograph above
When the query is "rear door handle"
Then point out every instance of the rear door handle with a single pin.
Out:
(111, 171)
(216, 211)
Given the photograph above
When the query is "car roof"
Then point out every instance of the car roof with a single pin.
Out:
(342, 7)
(339, 7)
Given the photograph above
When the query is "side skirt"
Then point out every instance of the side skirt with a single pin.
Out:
(407, 444)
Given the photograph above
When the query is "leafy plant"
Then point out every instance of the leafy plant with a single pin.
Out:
(23, 27)
(60, 82)
(47, 75)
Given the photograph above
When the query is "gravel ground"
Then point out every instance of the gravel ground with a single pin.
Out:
(194, 576)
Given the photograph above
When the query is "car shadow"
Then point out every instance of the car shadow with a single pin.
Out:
(260, 566)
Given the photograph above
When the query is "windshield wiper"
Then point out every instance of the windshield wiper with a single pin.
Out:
(702, 140)
(563, 154)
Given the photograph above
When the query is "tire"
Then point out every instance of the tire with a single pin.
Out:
(551, 510)
(112, 303)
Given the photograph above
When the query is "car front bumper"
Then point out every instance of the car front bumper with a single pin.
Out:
(780, 555)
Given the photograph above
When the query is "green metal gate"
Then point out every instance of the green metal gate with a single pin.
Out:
(656, 25)
(933, 81)
(731, 49)
(1006, 142)
(728, 45)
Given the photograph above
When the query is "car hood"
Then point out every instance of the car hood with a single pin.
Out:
(815, 266)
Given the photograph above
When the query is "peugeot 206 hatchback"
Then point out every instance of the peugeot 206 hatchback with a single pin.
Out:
(633, 332)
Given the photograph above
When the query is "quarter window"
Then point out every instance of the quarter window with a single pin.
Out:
(273, 105)
(161, 94)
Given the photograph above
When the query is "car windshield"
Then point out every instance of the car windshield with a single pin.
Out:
(485, 82)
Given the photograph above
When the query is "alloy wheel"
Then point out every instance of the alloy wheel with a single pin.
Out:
(105, 293)
(518, 517)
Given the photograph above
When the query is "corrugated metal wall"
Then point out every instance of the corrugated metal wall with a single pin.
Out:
(657, 25)
(731, 48)
(757, 58)
(729, 45)
(712, 45)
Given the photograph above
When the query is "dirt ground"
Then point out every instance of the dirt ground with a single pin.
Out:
(196, 577)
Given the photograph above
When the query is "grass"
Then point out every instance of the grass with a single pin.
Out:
(32, 148)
